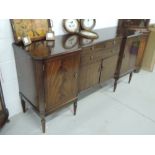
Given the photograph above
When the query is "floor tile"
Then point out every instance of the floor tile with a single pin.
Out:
(130, 110)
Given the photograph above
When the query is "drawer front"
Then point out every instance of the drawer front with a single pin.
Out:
(102, 46)
(108, 44)
(96, 56)
(92, 57)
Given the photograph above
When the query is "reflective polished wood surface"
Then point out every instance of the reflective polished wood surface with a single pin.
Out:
(47, 49)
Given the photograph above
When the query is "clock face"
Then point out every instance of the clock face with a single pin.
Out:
(88, 34)
(71, 25)
(71, 41)
(88, 24)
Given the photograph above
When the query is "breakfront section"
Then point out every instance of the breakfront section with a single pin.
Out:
(47, 83)
(143, 42)
(98, 63)
(130, 55)
(127, 57)
(90, 65)
(127, 27)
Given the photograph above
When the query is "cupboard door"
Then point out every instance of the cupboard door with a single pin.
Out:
(89, 75)
(108, 68)
(141, 50)
(61, 80)
(130, 54)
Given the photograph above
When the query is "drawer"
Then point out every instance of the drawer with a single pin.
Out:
(110, 52)
(91, 58)
(95, 56)
(108, 44)
(102, 46)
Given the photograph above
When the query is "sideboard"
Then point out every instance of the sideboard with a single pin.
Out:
(52, 74)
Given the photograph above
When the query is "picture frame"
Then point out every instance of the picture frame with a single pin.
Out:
(36, 29)
(86, 27)
(73, 27)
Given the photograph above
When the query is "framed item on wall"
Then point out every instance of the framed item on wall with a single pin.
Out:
(71, 25)
(88, 24)
(36, 29)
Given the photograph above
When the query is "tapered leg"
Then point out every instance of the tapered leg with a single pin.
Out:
(75, 107)
(43, 123)
(23, 105)
(115, 85)
(130, 77)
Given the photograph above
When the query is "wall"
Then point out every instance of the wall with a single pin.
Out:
(7, 63)
(57, 24)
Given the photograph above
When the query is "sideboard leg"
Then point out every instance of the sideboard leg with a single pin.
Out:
(115, 85)
(23, 105)
(43, 123)
(75, 107)
(130, 77)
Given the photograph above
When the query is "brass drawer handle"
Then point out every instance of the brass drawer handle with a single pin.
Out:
(114, 42)
(76, 75)
(92, 48)
(91, 57)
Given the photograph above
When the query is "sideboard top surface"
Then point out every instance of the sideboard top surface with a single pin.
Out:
(43, 49)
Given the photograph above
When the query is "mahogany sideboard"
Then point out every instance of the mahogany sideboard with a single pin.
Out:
(51, 76)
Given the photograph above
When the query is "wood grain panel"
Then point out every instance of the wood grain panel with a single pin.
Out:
(108, 68)
(141, 50)
(130, 54)
(89, 75)
(61, 80)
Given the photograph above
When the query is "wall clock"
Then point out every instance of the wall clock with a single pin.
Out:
(71, 41)
(88, 24)
(71, 25)
(88, 34)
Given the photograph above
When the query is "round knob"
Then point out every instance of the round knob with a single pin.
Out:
(76, 75)
(92, 48)
(114, 42)
(91, 57)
